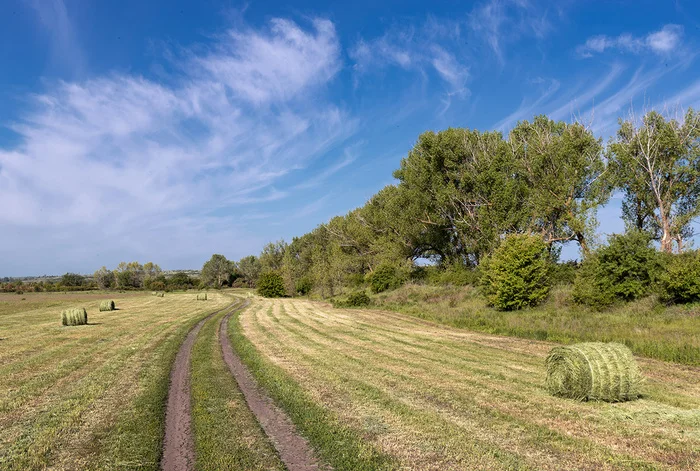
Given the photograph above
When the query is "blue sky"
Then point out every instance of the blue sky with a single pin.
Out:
(170, 130)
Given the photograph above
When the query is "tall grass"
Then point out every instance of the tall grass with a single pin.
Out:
(647, 327)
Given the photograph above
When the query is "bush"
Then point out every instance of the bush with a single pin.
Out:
(271, 285)
(681, 281)
(565, 273)
(455, 275)
(384, 278)
(304, 285)
(518, 273)
(624, 270)
(356, 299)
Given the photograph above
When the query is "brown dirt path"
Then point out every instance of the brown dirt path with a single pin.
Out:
(293, 449)
(178, 444)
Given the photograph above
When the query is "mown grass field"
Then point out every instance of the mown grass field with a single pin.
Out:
(92, 396)
(377, 390)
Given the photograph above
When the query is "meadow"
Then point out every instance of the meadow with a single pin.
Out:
(369, 389)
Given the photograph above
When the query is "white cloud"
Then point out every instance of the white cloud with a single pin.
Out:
(664, 41)
(123, 157)
(66, 55)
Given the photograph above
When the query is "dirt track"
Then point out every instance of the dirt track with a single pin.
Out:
(178, 444)
(292, 447)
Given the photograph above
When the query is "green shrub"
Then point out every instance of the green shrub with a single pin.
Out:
(624, 270)
(680, 283)
(455, 275)
(271, 285)
(565, 273)
(304, 285)
(384, 278)
(518, 273)
(356, 299)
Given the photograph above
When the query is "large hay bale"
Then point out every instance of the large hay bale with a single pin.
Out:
(593, 371)
(160, 294)
(107, 305)
(74, 316)
(154, 293)
(201, 296)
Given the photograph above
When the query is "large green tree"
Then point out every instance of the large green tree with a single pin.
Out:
(217, 270)
(249, 267)
(657, 165)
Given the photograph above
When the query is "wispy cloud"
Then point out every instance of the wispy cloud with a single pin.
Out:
(664, 41)
(528, 108)
(349, 156)
(123, 151)
(66, 53)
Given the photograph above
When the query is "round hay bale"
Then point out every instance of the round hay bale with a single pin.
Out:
(160, 294)
(593, 371)
(153, 293)
(201, 296)
(74, 316)
(107, 305)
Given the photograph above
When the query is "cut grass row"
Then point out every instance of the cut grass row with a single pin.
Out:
(429, 397)
(669, 333)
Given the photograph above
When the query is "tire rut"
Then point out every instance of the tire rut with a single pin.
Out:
(294, 450)
(178, 443)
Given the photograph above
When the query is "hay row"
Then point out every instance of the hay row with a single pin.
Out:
(108, 305)
(74, 316)
(593, 371)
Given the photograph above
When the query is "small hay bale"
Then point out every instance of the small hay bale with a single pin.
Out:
(201, 296)
(153, 293)
(74, 316)
(593, 371)
(160, 294)
(107, 305)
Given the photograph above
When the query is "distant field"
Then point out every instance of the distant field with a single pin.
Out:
(88, 397)
(427, 397)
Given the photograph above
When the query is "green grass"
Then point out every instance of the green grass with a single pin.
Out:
(108, 401)
(227, 435)
(647, 327)
(340, 446)
(430, 397)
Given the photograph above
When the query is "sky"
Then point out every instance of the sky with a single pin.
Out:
(166, 131)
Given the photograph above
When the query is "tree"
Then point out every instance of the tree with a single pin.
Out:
(250, 269)
(129, 275)
(104, 278)
(72, 280)
(657, 165)
(217, 270)
(272, 256)
(271, 285)
(562, 169)
(151, 271)
(180, 280)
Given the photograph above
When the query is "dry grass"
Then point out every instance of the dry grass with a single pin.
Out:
(439, 398)
(99, 388)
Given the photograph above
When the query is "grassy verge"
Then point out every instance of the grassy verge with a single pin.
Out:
(338, 445)
(227, 435)
(649, 328)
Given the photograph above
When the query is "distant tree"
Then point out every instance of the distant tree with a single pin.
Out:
(657, 166)
(129, 275)
(180, 280)
(150, 272)
(72, 280)
(271, 285)
(272, 256)
(217, 270)
(250, 269)
(104, 278)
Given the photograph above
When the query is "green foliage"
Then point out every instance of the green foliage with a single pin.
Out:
(216, 271)
(455, 275)
(518, 273)
(271, 285)
(565, 273)
(355, 299)
(624, 270)
(304, 285)
(75, 316)
(680, 283)
(384, 278)
(72, 280)
(250, 269)
(593, 371)
(104, 278)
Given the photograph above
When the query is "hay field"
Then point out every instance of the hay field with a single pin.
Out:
(429, 397)
(90, 396)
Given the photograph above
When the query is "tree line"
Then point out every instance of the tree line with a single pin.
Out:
(461, 192)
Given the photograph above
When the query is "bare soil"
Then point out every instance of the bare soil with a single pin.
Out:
(293, 449)
(178, 444)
